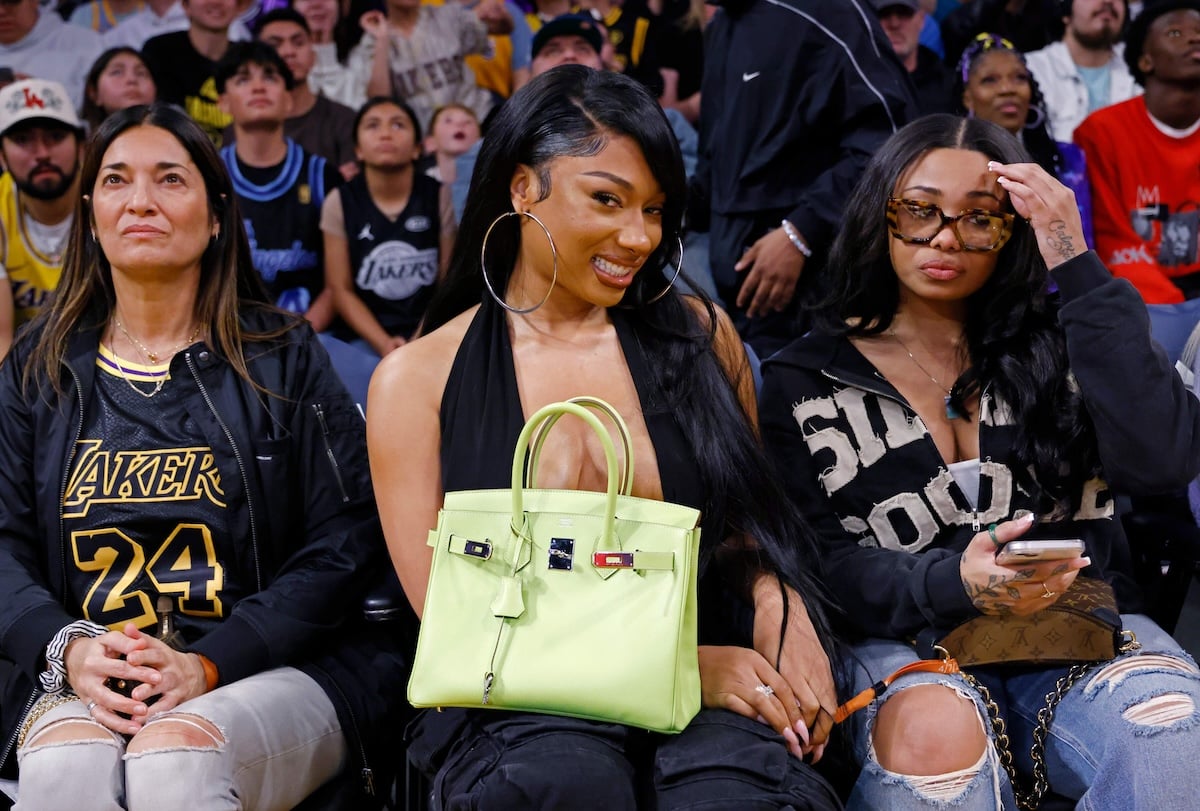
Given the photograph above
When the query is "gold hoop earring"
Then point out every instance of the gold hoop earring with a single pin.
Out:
(483, 263)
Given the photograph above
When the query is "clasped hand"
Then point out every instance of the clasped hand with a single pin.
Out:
(798, 699)
(1018, 589)
(158, 670)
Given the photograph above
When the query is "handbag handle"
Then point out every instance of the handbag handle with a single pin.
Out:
(554, 410)
(596, 404)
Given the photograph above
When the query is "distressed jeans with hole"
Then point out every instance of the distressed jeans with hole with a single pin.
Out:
(1125, 736)
(282, 741)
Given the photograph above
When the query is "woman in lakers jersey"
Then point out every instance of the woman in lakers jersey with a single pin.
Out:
(180, 453)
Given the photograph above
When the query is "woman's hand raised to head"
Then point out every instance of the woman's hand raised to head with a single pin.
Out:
(741, 680)
(375, 23)
(1017, 589)
(1048, 205)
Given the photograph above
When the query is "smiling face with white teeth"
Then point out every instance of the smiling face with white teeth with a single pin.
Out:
(605, 212)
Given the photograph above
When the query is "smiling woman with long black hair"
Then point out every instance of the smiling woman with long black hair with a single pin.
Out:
(581, 186)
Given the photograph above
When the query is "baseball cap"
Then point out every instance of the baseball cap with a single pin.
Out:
(565, 25)
(39, 99)
(880, 5)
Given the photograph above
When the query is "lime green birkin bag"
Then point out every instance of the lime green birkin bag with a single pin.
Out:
(565, 602)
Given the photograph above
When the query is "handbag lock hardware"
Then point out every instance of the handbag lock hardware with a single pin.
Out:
(561, 555)
(612, 560)
(477, 549)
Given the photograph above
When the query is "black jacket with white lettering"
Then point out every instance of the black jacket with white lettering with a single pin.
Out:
(858, 460)
(300, 508)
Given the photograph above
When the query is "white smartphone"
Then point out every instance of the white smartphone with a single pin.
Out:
(1033, 551)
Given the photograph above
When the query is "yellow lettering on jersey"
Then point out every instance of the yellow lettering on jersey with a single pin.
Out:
(185, 566)
(174, 474)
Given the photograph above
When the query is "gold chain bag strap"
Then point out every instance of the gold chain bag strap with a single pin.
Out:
(1082, 628)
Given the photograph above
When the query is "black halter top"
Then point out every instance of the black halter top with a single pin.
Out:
(482, 416)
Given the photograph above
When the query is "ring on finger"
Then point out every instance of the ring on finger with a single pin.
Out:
(91, 705)
(766, 689)
(991, 528)
(1047, 593)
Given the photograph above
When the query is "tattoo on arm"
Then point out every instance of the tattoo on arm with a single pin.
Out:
(990, 598)
(1060, 241)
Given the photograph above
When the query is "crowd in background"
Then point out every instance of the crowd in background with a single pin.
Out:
(795, 99)
(350, 132)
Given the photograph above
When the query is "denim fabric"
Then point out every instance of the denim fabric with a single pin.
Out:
(881, 790)
(491, 759)
(1097, 753)
(282, 741)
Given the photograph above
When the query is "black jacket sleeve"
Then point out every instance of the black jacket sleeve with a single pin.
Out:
(29, 612)
(1147, 423)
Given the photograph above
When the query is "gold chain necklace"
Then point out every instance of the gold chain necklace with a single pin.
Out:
(145, 350)
(952, 412)
(158, 385)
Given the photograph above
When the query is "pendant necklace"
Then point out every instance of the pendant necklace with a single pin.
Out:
(952, 413)
(158, 385)
(154, 356)
(150, 356)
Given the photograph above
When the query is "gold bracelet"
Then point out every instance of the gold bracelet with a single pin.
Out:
(47, 702)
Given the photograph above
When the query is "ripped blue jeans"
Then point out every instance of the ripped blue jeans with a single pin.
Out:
(1125, 736)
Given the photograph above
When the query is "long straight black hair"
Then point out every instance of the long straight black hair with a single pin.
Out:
(1014, 340)
(574, 111)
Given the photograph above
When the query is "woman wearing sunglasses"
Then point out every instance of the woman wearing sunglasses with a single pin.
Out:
(949, 404)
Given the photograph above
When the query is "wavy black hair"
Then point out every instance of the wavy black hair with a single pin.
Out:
(574, 111)
(1014, 341)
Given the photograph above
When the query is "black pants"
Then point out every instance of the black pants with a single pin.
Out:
(480, 759)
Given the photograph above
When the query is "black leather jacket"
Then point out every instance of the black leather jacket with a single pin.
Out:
(300, 509)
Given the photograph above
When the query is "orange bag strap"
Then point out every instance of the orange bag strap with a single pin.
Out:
(946, 665)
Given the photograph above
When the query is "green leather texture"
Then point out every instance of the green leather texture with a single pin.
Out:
(521, 613)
